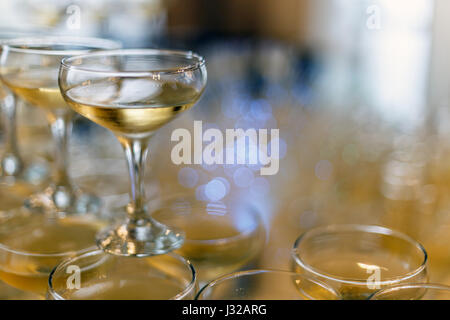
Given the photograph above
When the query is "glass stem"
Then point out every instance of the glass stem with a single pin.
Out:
(61, 127)
(11, 162)
(136, 151)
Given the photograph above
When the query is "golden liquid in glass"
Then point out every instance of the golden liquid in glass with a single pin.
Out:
(39, 87)
(366, 270)
(144, 288)
(216, 247)
(32, 252)
(131, 106)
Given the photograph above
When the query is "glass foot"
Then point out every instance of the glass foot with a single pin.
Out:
(64, 201)
(146, 238)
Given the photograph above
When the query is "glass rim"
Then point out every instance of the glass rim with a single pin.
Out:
(44, 255)
(253, 272)
(200, 62)
(6, 35)
(254, 212)
(373, 229)
(52, 292)
(18, 45)
(433, 286)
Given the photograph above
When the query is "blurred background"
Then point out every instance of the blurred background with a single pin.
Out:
(358, 89)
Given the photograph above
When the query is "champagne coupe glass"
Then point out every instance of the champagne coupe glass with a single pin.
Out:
(133, 93)
(358, 260)
(414, 291)
(13, 170)
(266, 285)
(103, 276)
(219, 237)
(29, 67)
(18, 177)
(31, 245)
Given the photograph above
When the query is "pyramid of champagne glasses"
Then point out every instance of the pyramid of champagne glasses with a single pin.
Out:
(57, 245)
(61, 221)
